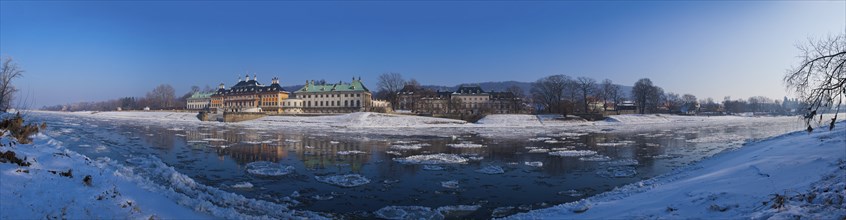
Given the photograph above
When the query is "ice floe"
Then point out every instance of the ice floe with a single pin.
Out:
(452, 184)
(432, 159)
(533, 163)
(465, 145)
(409, 146)
(539, 139)
(597, 157)
(539, 150)
(420, 212)
(242, 185)
(491, 169)
(349, 152)
(346, 180)
(267, 168)
(572, 153)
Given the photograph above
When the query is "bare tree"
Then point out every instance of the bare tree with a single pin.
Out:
(8, 72)
(413, 82)
(389, 84)
(820, 78)
(690, 103)
(608, 91)
(646, 95)
(163, 96)
(516, 102)
(674, 102)
(586, 87)
(549, 92)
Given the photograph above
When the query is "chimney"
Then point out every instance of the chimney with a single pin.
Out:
(247, 77)
(254, 77)
(221, 86)
(239, 79)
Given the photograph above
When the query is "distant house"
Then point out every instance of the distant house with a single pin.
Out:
(626, 107)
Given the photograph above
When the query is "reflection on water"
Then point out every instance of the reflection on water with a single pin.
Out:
(531, 178)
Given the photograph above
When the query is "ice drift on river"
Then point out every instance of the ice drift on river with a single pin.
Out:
(346, 180)
(491, 169)
(572, 153)
(432, 159)
(267, 168)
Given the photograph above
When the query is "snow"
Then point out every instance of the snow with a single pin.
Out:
(739, 184)
(266, 168)
(499, 125)
(346, 180)
(151, 190)
(572, 153)
(432, 159)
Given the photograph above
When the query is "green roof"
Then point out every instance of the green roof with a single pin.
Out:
(202, 95)
(355, 86)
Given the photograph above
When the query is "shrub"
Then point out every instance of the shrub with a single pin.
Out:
(16, 128)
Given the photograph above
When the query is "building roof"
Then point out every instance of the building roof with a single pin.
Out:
(251, 86)
(355, 86)
(469, 89)
(502, 95)
(201, 95)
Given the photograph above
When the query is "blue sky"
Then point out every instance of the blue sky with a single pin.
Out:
(89, 51)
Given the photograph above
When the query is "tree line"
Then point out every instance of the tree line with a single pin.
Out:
(162, 97)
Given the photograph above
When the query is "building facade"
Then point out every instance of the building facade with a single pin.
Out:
(467, 99)
(250, 96)
(199, 101)
(340, 97)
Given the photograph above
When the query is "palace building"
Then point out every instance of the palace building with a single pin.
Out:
(340, 97)
(248, 95)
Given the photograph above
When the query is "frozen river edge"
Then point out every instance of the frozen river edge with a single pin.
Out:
(46, 150)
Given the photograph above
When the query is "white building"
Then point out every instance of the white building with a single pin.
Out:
(199, 101)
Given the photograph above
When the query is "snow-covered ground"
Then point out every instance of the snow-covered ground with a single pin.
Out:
(793, 176)
(54, 187)
(500, 126)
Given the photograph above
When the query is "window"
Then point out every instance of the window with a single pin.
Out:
(357, 103)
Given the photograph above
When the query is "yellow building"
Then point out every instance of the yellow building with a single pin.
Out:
(250, 96)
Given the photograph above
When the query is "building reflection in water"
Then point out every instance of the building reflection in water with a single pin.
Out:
(245, 146)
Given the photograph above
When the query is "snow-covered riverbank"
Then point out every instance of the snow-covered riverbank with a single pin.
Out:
(62, 184)
(809, 170)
